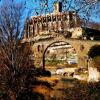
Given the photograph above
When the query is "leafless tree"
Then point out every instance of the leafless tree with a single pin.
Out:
(13, 55)
(11, 26)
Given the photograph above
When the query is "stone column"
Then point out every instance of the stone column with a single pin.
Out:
(28, 30)
(59, 23)
(82, 61)
(75, 19)
(31, 31)
(68, 20)
(40, 27)
(35, 28)
(56, 23)
(25, 31)
(46, 23)
(93, 73)
(38, 56)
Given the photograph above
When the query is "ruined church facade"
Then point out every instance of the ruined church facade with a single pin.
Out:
(58, 22)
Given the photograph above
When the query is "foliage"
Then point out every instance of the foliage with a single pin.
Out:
(54, 62)
(21, 85)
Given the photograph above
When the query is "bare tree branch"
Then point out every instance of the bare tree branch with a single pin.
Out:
(11, 52)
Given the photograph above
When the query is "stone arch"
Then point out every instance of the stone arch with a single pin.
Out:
(94, 63)
(51, 45)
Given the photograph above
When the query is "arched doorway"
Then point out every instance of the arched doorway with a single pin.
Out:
(94, 54)
(94, 63)
(60, 54)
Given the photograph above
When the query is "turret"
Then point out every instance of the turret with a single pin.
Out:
(57, 7)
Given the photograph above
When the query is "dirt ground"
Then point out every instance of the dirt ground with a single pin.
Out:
(62, 88)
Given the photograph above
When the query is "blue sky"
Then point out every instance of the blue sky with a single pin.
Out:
(94, 16)
(34, 6)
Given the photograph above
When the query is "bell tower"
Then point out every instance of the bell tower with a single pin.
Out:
(57, 7)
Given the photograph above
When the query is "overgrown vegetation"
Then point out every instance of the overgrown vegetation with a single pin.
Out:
(54, 62)
(17, 72)
(68, 89)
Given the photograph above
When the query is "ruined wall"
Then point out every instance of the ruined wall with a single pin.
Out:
(77, 32)
(81, 47)
(59, 22)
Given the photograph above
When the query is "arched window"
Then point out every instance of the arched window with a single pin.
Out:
(38, 48)
(70, 16)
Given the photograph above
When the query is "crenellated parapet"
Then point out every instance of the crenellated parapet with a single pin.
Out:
(57, 22)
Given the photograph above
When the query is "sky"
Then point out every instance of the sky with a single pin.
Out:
(33, 8)
(94, 16)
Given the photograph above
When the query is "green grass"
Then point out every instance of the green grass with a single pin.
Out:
(54, 62)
